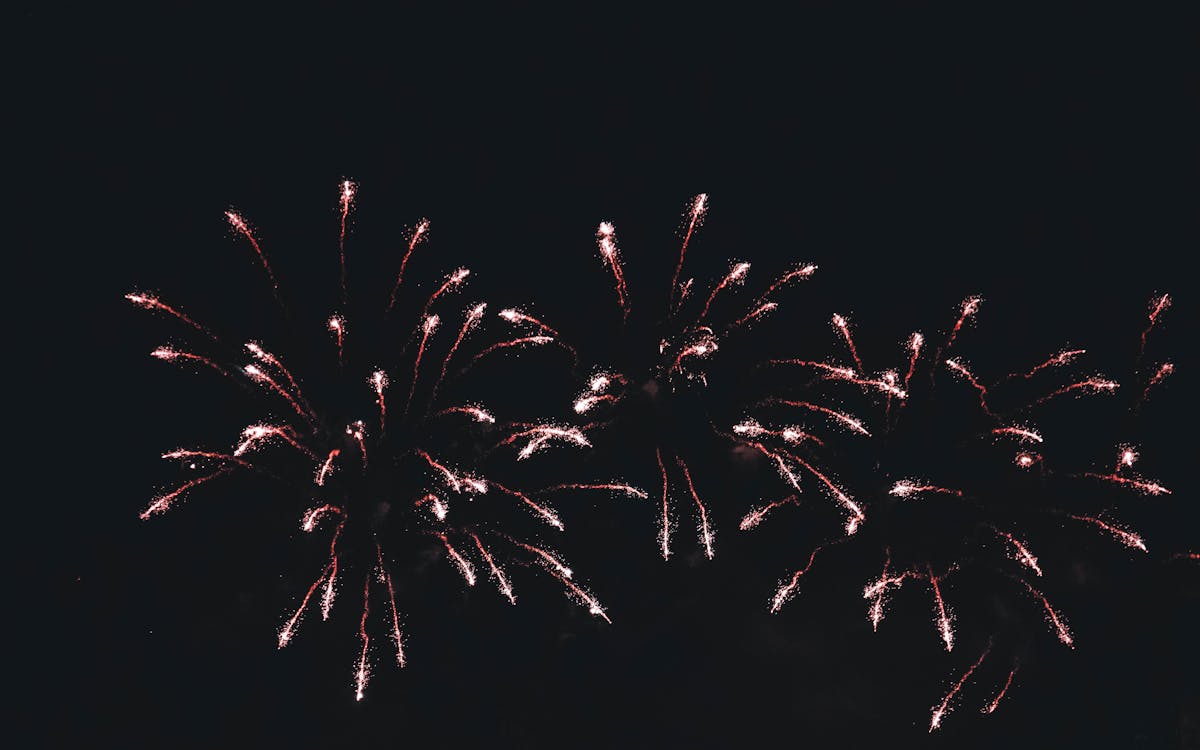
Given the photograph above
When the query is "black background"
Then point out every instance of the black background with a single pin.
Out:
(917, 156)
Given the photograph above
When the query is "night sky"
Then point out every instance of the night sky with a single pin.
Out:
(1047, 164)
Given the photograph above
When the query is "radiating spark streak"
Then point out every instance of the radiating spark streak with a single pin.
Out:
(1141, 485)
(289, 629)
(522, 341)
(836, 371)
(877, 591)
(751, 428)
(695, 218)
(452, 282)
(706, 534)
(436, 505)
(1060, 626)
(470, 320)
(909, 487)
(456, 482)
(378, 382)
(1023, 434)
(474, 412)
(547, 558)
(1165, 370)
(684, 289)
(879, 586)
(428, 326)
(969, 307)
(606, 240)
(736, 275)
(363, 673)
(543, 512)
(265, 356)
(256, 434)
(856, 513)
(150, 302)
(337, 324)
(915, 341)
(962, 370)
(239, 224)
(843, 327)
(463, 564)
(991, 706)
(501, 582)
(183, 454)
(163, 503)
(585, 404)
(256, 373)
(755, 517)
(1021, 552)
(801, 272)
(944, 619)
(418, 235)
(347, 199)
(517, 317)
(313, 516)
(358, 431)
(841, 417)
(1091, 385)
(587, 599)
(397, 638)
(1062, 358)
(754, 314)
(169, 354)
(702, 348)
(331, 580)
(664, 530)
(326, 468)
(940, 711)
(541, 435)
(623, 489)
(787, 588)
(1157, 307)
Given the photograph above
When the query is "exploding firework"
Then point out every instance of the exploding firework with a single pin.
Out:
(655, 388)
(965, 481)
(382, 449)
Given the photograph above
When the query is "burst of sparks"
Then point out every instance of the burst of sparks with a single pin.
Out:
(696, 214)
(787, 587)
(944, 617)
(1056, 619)
(943, 708)
(755, 517)
(419, 233)
(347, 200)
(995, 702)
(1021, 553)
(337, 324)
(1128, 538)
(909, 488)
(1023, 434)
(843, 327)
(606, 240)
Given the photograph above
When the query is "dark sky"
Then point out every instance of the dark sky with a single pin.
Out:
(1045, 163)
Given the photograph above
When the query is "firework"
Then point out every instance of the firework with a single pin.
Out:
(947, 515)
(318, 450)
(689, 337)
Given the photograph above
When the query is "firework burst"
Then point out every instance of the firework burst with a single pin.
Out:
(656, 387)
(960, 484)
(394, 459)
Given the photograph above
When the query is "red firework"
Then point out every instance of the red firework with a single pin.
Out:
(328, 455)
